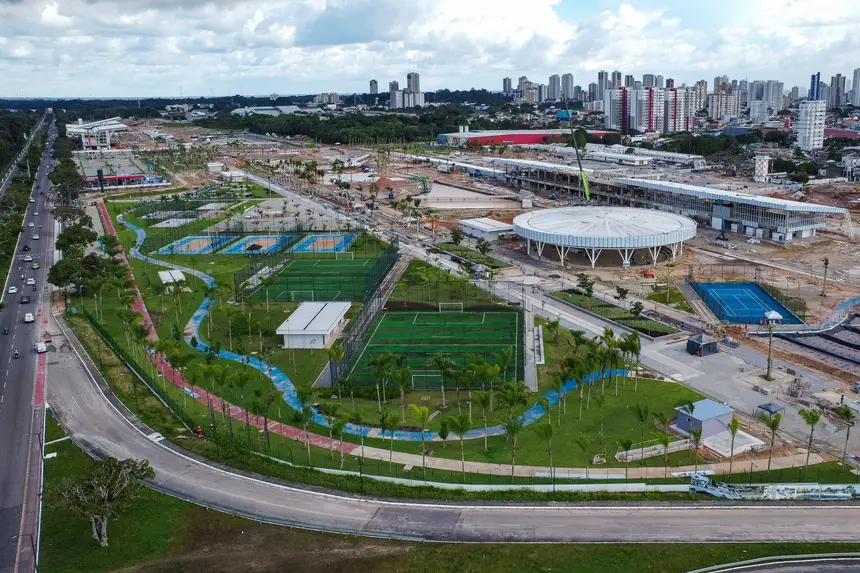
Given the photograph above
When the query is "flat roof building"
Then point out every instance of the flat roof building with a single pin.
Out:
(314, 324)
(485, 228)
(709, 416)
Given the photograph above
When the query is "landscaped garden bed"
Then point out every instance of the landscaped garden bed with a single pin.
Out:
(620, 315)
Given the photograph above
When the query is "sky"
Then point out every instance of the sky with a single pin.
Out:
(170, 48)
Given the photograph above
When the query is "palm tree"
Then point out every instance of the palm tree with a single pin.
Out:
(387, 423)
(349, 384)
(337, 427)
(664, 438)
(380, 364)
(544, 432)
(643, 414)
(772, 422)
(335, 355)
(512, 394)
(482, 400)
(696, 438)
(445, 366)
(460, 425)
(230, 313)
(635, 348)
(331, 415)
(512, 428)
(662, 421)
(273, 395)
(403, 378)
(306, 415)
(626, 445)
(559, 387)
(844, 413)
(601, 401)
(733, 428)
(423, 415)
(811, 417)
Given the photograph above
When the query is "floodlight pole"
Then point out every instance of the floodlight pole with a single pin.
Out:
(770, 328)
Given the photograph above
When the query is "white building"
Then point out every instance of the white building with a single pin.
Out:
(722, 106)
(855, 88)
(314, 324)
(554, 88)
(617, 106)
(758, 111)
(648, 109)
(485, 228)
(675, 112)
(567, 86)
(810, 126)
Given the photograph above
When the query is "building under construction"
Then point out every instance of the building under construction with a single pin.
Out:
(759, 216)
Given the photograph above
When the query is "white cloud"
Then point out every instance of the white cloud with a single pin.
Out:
(305, 46)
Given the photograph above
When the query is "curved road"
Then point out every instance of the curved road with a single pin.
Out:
(98, 426)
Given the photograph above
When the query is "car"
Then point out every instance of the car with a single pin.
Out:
(34, 266)
(40, 347)
(25, 299)
(31, 281)
(29, 317)
(26, 248)
(31, 224)
(28, 259)
(32, 200)
(13, 290)
(35, 236)
(35, 213)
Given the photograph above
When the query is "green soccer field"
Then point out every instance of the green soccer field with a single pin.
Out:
(320, 280)
(422, 335)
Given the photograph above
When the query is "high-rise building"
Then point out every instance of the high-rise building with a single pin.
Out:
(701, 95)
(374, 87)
(412, 99)
(758, 111)
(658, 81)
(578, 93)
(593, 91)
(522, 84)
(413, 83)
(648, 80)
(794, 96)
(756, 90)
(855, 88)
(693, 106)
(773, 93)
(542, 93)
(648, 110)
(554, 88)
(507, 85)
(675, 110)
(814, 86)
(743, 86)
(837, 91)
(637, 85)
(616, 107)
(531, 95)
(722, 105)
(603, 83)
(567, 87)
(616, 79)
(721, 83)
(327, 98)
(810, 126)
(628, 81)
(670, 83)
(823, 92)
(395, 96)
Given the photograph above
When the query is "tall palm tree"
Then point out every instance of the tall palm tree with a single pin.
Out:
(601, 402)
(643, 415)
(337, 426)
(559, 387)
(423, 415)
(772, 422)
(664, 438)
(460, 425)
(846, 414)
(733, 428)
(445, 366)
(811, 417)
(512, 394)
(635, 348)
(358, 419)
(626, 445)
(387, 423)
(661, 419)
(332, 416)
(545, 432)
(696, 439)
(349, 384)
(482, 400)
(381, 366)
(230, 314)
(512, 428)
(273, 396)
(335, 355)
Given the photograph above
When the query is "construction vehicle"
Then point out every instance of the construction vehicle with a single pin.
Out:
(425, 182)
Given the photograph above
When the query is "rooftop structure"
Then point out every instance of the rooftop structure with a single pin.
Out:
(594, 229)
(313, 324)
(505, 137)
(485, 228)
(119, 167)
(96, 134)
(709, 416)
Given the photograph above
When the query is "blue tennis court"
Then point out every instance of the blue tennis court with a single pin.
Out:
(741, 303)
(195, 245)
(258, 245)
(324, 244)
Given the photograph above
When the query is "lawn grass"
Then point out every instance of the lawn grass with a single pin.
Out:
(423, 287)
(472, 255)
(622, 316)
(676, 299)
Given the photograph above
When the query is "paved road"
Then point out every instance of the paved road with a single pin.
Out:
(20, 421)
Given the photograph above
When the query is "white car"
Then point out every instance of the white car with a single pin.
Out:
(35, 236)
(40, 347)
(32, 200)
(31, 281)
(13, 290)
(35, 213)
(29, 317)
(28, 259)
(31, 225)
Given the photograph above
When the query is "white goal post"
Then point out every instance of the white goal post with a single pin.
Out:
(450, 307)
(301, 295)
(344, 255)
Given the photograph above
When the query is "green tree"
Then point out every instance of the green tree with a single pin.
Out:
(104, 492)
(826, 262)
(349, 384)
(734, 426)
(443, 431)
(482, 400)
(845, 414)
(460, 425)
(456, 236)
(626, 445)
(637, 308)
(337, 426)
(388, 423)
(483, 246)
(664, 439)
(696, 439)
(772, 422)
(423, 415)
(512, 394)
(811, 417)
(512, 428)
(545, 433)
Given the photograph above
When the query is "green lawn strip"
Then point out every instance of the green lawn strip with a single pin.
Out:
(425, 286)
(142, 533)
(676, 299)
(53, 431)
(618, 314)
(155, 193)
(472, 255)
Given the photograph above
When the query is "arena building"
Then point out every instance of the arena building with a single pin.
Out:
(505, 137)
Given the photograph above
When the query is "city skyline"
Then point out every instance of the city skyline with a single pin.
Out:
(77, 48)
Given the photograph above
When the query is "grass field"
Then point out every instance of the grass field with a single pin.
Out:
(320, 279)
(620, 315)
(676, 299)
(422, 335)
(472, 255)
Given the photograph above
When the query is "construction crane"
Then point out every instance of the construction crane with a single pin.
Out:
(425, 182)
(583, 179)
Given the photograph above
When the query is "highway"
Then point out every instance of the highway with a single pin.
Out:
(21, 409)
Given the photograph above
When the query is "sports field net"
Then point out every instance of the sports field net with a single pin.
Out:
(456, 336)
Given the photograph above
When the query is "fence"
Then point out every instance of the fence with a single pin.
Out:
(416, 294)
